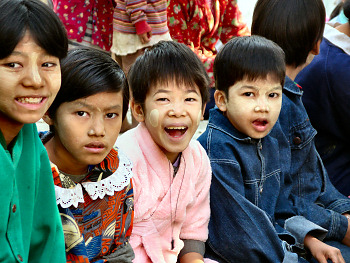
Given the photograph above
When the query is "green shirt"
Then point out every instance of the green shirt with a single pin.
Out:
(30, 225)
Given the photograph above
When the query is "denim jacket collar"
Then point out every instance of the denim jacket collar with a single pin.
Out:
(292, 87)
(218, 121)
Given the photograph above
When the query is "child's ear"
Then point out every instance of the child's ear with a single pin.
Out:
(220, 100)
(137, 110)
(316, 49)
(47, 118)
(203, 111)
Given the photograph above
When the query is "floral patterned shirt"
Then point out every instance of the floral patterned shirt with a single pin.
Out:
(200, 24)
(75, 14)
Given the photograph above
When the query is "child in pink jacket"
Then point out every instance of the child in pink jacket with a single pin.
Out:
(172, 173)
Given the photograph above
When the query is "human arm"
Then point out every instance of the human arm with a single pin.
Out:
(137, 13)
(47, 241)
(192, 257)
(321, 251)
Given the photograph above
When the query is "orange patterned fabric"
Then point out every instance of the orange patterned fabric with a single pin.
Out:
(96, 228)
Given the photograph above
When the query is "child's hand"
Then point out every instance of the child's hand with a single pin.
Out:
(321, 251)
(346, 240)
(145, 37)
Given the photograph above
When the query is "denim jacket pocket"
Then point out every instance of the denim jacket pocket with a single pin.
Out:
(301, 135)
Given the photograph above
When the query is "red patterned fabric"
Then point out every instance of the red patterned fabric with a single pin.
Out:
(200, 25)
(75, 13)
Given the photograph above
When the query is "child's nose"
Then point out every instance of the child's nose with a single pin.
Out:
(262, 106)
(177, 109)
(97, 127)
(33, 77)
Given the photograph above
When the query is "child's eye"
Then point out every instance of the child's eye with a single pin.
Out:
(190, 99)
(81, 113)
(162, 99)
(13, 65)
(48, 64)
(111, 115)
(273, 95)
(248, 94)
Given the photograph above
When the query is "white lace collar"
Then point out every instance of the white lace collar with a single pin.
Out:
(66, 197)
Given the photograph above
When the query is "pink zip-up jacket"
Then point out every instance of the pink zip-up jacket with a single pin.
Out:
(160, 214)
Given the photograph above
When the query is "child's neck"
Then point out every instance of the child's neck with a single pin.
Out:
(62, 160)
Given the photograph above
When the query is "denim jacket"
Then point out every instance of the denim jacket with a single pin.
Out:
(245, 196)
(311, 189)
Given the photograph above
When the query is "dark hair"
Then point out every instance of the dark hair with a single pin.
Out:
(88, 71)
(248, 57)
(336, 11)
(17, 16)
(346, 8)
(164, 62)
(295, 25)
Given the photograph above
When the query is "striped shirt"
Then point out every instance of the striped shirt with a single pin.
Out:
(141, 16)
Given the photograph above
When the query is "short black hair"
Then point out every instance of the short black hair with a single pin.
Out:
(164, 62)
(86, 72)
(18, 16)
(248, 57)
(295, 25)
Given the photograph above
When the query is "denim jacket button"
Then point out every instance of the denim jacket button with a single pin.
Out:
(296, 140)
(261, 190)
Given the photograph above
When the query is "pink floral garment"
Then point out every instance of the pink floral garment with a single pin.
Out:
(75, 13)
(201, 24)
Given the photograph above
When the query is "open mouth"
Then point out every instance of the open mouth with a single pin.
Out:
(260, 123)
(30, 100)
(176, 131)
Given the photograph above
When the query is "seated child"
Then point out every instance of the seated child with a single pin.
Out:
(93, 184)
(32, 43)
(310, 187)
(249, 74)
(172, 173)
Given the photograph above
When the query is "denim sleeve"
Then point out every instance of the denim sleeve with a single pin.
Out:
(299, 226)
(326, 210)
(238, 230)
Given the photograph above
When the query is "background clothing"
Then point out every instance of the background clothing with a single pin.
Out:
(326, 98)
(75, 15)
(202, 24)
(166, 207)
(30, 226)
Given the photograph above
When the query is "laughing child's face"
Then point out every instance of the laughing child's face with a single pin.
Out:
(171, 114)
(252, 107)
(85, 131)
(29, 81)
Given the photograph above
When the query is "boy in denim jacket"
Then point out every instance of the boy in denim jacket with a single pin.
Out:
(246, 192)
(297, 27)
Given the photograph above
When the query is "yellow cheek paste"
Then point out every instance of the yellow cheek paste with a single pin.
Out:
(154, 117)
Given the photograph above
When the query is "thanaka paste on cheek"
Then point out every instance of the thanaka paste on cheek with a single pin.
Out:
(154, 117)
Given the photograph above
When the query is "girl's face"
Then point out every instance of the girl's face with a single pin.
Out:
(29, 81)
(85, 131)
(171, 114)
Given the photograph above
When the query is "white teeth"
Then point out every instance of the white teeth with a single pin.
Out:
(30, 100)
(177, 128)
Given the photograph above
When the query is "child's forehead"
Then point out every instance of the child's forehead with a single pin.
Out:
(171, 86)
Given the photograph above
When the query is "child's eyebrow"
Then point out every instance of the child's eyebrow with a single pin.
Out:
(91, 107)
(169, 91)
